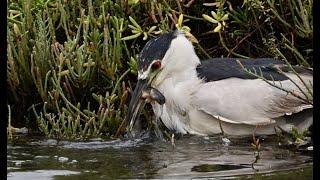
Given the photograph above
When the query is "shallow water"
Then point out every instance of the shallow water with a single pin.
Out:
(190, 157)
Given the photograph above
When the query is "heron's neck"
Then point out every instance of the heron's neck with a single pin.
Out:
(181, 67)
(178, 89)
(179, 84)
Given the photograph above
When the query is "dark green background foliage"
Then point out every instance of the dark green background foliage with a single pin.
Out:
(72, 64)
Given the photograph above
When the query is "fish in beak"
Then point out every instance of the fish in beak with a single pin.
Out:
(141, 95)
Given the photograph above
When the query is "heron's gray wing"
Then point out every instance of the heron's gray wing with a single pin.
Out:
(222, 68)
(250, 101)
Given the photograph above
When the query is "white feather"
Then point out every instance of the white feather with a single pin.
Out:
(238, 105)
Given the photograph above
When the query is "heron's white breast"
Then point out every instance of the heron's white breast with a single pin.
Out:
(178, 91)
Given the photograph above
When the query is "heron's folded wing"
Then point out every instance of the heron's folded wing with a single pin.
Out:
(249, 101)
(222, 68)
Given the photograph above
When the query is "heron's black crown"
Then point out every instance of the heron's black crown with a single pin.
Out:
(155, 49)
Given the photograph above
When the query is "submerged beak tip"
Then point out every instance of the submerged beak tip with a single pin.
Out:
(141, 95)
(136, 104)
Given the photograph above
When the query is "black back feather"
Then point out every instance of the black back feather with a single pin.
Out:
(222, 68)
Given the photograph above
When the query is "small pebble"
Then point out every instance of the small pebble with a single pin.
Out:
(50, 142)
(63, 159)
(310, 148)
(41, 157)
(73, 162)
(226, 141)
(18, 163)
(92, 160)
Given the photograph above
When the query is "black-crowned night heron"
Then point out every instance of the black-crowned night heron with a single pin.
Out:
(217, 95)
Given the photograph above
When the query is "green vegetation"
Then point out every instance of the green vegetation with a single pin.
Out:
(72, 64)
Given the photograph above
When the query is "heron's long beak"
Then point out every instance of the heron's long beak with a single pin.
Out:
(135, 107)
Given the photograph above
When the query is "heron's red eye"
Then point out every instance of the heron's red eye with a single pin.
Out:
(156, 65)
